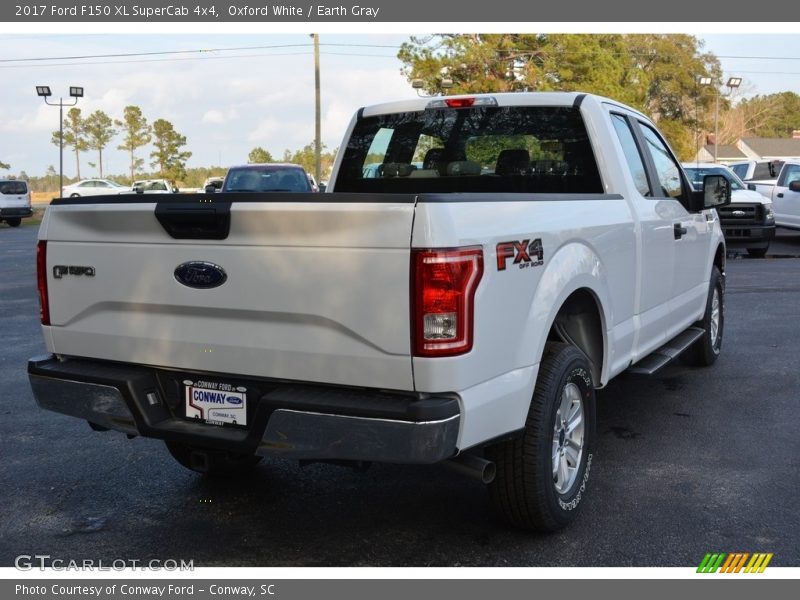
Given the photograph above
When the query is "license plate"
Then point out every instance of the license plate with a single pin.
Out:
(216, 403)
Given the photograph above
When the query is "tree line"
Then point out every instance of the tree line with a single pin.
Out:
(96, 131)
(658, 74)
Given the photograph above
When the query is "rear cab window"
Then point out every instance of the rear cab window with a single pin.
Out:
(540, 149)
(266, 178)
(13, 188)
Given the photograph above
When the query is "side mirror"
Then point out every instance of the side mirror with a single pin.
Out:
(716, 191)
(175, 190)
(794, 186)
(322, 187)
(210, 189)
(751, 186)
(139, 189)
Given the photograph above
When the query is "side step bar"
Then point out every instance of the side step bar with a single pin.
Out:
(666, 353)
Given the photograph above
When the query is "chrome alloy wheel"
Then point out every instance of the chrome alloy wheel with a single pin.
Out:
(714, 317)
(568, 437)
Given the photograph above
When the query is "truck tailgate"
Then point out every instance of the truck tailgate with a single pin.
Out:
(315, 290)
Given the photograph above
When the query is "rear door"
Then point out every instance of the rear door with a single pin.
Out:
(13, 194)
(312, 290)
(656, 245)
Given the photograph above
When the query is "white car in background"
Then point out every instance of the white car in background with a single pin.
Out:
(93, 187)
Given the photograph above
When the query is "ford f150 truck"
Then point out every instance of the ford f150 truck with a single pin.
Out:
(515, 253)
(748, 221)
(785, 195)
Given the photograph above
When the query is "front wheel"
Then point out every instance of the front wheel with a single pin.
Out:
(542, 476)
(705, 351)
(14, 222)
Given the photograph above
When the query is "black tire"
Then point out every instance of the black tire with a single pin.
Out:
(14, 221)
(74, 195)
(705, 351)
(212, 463)
(525, 491)
(757, 252)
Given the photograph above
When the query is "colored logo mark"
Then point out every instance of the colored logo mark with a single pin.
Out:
(735, 562)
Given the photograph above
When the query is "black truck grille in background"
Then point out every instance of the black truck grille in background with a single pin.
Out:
(736, 215)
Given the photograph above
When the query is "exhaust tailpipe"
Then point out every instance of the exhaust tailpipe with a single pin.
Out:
(474, 466)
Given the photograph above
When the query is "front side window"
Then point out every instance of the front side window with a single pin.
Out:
(790, 173)
(667, 170)
(526, 149)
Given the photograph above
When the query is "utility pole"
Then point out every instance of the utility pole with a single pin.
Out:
(732, 84)
(317, 126)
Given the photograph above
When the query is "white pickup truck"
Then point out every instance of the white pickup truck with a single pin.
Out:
(785, 195)
(515, 253)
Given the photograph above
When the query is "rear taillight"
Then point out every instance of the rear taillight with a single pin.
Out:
(41, 279)
(442, 299)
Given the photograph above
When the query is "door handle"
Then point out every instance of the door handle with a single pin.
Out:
(680, 231)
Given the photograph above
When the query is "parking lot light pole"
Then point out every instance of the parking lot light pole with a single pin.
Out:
(317, 118)
(43, 91)
(732, 84)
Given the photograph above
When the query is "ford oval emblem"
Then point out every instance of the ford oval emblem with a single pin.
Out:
(233, 400)
(201, 275)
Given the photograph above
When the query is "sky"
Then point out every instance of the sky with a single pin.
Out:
(228, 102)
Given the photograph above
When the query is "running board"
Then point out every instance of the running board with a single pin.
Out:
(667, 353)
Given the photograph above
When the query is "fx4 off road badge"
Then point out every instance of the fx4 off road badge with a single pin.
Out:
(525, 253)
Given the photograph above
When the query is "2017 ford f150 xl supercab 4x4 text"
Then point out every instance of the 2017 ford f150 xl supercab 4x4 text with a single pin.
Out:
(512, 253)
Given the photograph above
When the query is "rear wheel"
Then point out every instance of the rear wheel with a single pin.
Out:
(14, 222)
(542, 476)
(214, 463)
(705, 351)
(757, 252)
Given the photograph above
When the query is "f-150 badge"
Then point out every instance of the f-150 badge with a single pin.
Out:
(525, 253)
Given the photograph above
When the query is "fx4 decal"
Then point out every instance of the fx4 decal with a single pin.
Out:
(526, 253)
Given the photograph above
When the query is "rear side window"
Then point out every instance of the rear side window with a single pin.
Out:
(632, 155)
(478, 149)
(13, 188)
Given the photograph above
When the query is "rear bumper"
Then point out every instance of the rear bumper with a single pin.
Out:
(16, 211)
(286, 419)
(748, 236)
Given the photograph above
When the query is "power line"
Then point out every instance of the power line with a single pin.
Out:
(194, 51)
(188, 58)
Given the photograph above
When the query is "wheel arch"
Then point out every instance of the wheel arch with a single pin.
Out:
(572, 304)
(579, 322)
